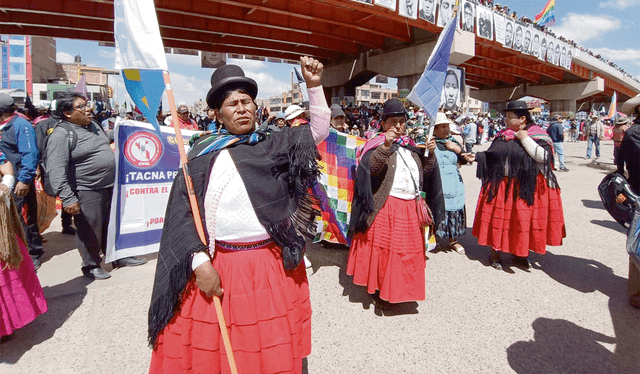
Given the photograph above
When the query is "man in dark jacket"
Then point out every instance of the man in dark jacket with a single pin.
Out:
(556, 132)
(83, 178)
(18, 144)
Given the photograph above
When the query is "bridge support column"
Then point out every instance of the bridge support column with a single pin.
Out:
(561, 106)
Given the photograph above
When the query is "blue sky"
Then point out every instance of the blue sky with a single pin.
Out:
(607, 27)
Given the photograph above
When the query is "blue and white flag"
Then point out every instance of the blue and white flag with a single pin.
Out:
(303, 86)
(140, 54)
(428, 91)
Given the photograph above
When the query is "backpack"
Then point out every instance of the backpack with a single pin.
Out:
(611, 186)
(73, 140)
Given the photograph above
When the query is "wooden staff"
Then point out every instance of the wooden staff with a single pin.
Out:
(196, 216)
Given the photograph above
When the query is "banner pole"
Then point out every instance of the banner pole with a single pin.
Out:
(196, 214)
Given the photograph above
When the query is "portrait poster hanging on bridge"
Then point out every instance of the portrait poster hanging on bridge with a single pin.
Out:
(389, 4)
(453, 93)
(146, 164)
(527, 39)
(498, 26)
(551, 48)
(535, 44)
(468, 18)
(543, 46)
(518, 37)
(557, 53)
(427, 10)
(569, 60)
(445, 12)
(408, 8)
(485, 22)
(509, 31)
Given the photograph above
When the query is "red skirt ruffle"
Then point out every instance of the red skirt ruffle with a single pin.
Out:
(267, 310)
(389, 256)
(514, 227)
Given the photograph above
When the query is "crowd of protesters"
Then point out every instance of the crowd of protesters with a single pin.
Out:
(264, 194)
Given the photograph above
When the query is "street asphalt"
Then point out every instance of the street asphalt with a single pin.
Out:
(568, 314)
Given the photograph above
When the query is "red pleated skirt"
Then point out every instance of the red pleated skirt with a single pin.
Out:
(267, 311)
(514, 227)
(389, 256)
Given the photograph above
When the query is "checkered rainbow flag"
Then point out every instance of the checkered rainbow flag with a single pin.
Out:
(335, 186)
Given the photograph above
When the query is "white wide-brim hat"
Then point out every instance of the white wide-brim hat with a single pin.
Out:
(630, 105)
(292, 112)
(441, 119)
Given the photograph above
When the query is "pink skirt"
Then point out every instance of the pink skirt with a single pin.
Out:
(390, 255)
(267, 310)
(21, 296)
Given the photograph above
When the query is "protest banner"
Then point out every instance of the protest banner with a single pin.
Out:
(146, 165)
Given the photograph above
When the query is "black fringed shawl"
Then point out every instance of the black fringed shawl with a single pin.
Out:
(277, 172)
(365, 186)
(522, 169)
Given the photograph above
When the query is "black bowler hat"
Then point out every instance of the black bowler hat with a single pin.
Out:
(392, 108)
(229, 77)
(516, 105)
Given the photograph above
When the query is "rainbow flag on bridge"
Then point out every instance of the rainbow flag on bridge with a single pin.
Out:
(335, 186)
(548, 15)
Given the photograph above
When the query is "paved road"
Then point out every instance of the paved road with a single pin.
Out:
(568, 315)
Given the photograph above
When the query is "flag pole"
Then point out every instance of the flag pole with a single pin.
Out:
(196, 214)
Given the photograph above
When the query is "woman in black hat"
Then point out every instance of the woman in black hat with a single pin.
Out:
(519, 208)
(387, 251)
(253, 191)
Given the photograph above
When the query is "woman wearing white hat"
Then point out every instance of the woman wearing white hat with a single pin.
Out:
(449, 154)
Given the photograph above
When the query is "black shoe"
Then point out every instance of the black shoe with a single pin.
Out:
(522, 262)
(68, 230)
(564, 169)
(36, 262)
(129, 261)
(96, 273)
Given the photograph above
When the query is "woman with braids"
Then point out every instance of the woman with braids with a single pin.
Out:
(450, 154)
(21, 296)
(253, 189)
(519, 208)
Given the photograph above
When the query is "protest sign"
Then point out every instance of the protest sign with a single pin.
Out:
(146, 165)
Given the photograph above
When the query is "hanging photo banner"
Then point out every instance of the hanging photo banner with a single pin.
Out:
(468, 18)
(428, 10)
(498, 26)
(518, 37)
(445, 12)
(408, 8)
(535, 44)
(557, 53)
(389, 4)
(527, 40)
(551, 48)
(569, 60)
(453, 95)
(509, 31)
(543, 46)
(485, 22)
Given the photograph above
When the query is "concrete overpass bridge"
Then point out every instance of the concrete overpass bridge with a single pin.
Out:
(356, 41)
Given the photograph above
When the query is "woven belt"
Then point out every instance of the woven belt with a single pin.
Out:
(235, 247)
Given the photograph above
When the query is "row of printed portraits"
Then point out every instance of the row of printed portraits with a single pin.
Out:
(425, 9)
(488, 25)
(515, 35)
